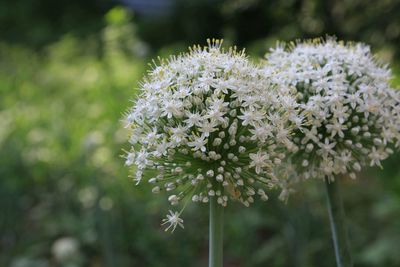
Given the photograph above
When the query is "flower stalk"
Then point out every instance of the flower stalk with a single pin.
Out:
(338, 224)
(216, 233)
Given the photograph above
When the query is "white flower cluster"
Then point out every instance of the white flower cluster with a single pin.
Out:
(208, 123)
(351, 113)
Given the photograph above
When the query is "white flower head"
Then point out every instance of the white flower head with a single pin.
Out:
(351, 113)
(208, 123)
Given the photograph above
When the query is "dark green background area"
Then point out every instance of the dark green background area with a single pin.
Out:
(67, 72)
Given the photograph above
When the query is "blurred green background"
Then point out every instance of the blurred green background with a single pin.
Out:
(68, 69)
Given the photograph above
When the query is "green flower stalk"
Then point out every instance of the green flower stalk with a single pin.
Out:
(216, 233)
(209, 127)
(351, 116)
(338, 224)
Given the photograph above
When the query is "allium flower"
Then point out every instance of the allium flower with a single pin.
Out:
(351, 113)
(208, 124)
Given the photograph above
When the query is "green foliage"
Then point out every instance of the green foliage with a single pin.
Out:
(39, 22)
(247, 23)
(252, 23)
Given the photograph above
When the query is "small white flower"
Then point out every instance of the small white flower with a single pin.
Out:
(173, 220)
(172, 107)
(251, 116)
(130, 158)
(141, 160)
(258, 161)
(326, 148)
(173, 199)
(336, 128)
(178, 134)
(376, 156)
(310, 135)
(208, 127)
(199, 143)
(193, 119)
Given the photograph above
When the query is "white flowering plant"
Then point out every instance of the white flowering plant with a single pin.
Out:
(351, 117)
(209, 126)
(208, 123)
(351, 114)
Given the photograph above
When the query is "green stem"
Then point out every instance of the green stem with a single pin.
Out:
(216, 233)
(338, 224)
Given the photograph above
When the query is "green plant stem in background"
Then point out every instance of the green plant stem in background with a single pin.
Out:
(338, 224)
(216, 233)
